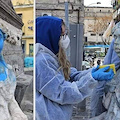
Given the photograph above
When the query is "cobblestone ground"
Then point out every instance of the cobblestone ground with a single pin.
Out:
(79, 114)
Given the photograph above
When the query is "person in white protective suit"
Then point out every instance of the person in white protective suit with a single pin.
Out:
(9, 108)
(59, 86)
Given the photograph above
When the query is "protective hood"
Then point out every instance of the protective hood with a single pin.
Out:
(48, 31)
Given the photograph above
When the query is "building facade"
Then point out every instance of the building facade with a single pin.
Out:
(24, 8)
(57, 8)
(96, 22)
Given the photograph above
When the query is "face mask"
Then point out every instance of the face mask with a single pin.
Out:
(64, 42)
(116, 34)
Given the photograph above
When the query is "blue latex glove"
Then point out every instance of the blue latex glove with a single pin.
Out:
(102, 74)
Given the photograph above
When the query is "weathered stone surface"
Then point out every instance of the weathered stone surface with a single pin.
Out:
(76, 9)
(11, 24)
(9, 15)
(8, 2)
(27, 102)
(23, 81)
(111, 102)
(12, 53)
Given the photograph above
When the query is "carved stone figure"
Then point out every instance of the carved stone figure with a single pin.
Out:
(111, 99)
(9, 108)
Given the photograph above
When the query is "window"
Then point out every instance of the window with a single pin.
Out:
(93, 34)
(90, 30)
(30, 49)
(20, 15)
(101, 34)
(23, 46)
(86, 39)
(46, 14)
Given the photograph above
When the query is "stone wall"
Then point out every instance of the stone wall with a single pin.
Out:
(57, 8)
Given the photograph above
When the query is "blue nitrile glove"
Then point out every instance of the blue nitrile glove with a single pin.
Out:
(101, 74)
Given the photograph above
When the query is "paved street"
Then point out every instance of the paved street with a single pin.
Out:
(78, 114)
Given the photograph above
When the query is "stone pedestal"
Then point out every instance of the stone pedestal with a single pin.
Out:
(23, 81)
